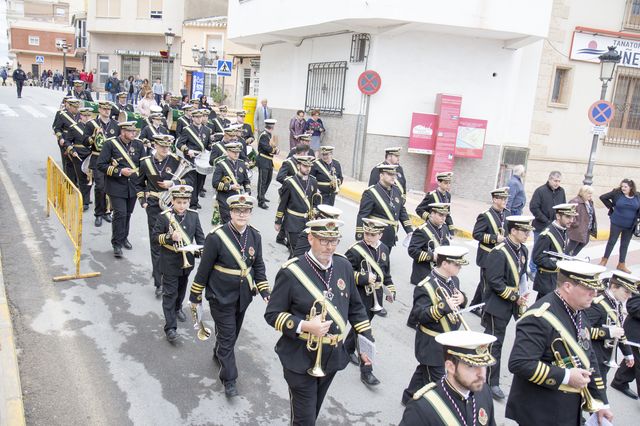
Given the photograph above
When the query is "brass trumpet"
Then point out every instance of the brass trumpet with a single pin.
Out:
(175, 226)
(315, 343)
(203, 332)
(313, 213)
(455, 316)
(334, 180)
(274, 142)
(589, 403)
(370, 288)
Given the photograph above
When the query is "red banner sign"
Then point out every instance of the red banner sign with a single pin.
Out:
(470, 139)
(448, 109)
(422, 137)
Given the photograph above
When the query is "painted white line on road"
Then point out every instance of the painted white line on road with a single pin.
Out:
(51, 108)
(6, 111)
(31, 110)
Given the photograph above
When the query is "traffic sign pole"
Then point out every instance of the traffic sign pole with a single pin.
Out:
(588, 177)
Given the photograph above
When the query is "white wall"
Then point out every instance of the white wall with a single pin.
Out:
(127, 22)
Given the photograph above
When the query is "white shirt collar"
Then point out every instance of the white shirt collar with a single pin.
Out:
(318, 263)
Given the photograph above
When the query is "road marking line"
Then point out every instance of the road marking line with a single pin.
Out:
(31, 110)
(6, 111)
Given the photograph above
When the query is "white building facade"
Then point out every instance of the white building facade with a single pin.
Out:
(486, 52)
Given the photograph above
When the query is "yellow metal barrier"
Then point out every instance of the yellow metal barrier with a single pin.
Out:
(66, 201)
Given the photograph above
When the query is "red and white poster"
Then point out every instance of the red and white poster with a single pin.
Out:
(471, 136)
(448, 110)
(422, 137)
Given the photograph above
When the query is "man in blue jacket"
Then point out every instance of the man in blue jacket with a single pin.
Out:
(517, 196)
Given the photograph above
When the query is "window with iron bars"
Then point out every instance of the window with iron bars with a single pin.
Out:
(359, 47)
(325, 87)
(632, 15)
(624, 129)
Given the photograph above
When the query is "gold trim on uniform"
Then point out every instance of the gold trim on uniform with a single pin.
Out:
(280, 320)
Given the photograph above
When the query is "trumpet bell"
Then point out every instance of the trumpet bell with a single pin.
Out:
(204, 333)
(316, 371)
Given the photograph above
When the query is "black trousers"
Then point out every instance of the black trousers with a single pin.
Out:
(19, 84)
(100, 197)
(174, 290)
(478, 295)
(306, 394)
(67, 166)
(191, 179)
(82, 181)
(153, 211)
(228, 320)
(328, 198)
(626, 375)
(292, 241)
(264, 180)
(496, 327)
(281, 234)
(423, 375)
(223, 208)
(122, 210)
(200, 182)
(351, 343)
(625, 235)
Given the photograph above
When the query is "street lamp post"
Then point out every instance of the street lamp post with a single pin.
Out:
(63, 47)
(201, 57)
(169, 38)
(608, 62)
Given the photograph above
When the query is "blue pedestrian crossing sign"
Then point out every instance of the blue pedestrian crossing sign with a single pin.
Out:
(224, 68)
(39, 59)
(600, 113)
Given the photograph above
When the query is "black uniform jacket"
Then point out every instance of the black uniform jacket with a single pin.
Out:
(149, 131)
(551, 239)
(287, 169)
(632, 322)
(220, 270)
(85, 95)
(431, 315)
(62, 122)
(215, 124)
(110, 129)
(310, 152)
(114, 156)
(537, 397)
(182, 122)
(434, 196)
(505, 265)
(489, 225)
(217, 150)
(227, 173)
(379, 203)
(323, 172)
(401, 178)
(424, 241)
(297, 202)
(291, 302)
(194, 138)
(247, 132)
(171, 260)
(117, 108)
(605, 310)
(360, 255)
(265, 151)
(424, 412)
(78, 140)
(151, 172)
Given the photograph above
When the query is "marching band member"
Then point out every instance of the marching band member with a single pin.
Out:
(217, 145)
(176, 227)
(78, 147)
(322, 211)
(553, 238)
(461, 396)
(313, 297)
(246, 132)
(505, 275)
(489, 230)
(185, 120)
(298, 196)
(606, 316)
(302, 147)
(78, 91)
(384, 201)
(120, 106)
(391, 157)
(120, 160)
(328, 172)
(436, 300)
(230, 178)
(154, 127)
(103, 127)
(174, 103)
(157, 174)
(432, 234)
(232, 271)
(289, 166)
(439, 195)
(370, 261)
(64, 120)
(553, 363)
(194, 140)
(266, 151)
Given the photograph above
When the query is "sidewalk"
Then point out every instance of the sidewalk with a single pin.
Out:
(11, 407)
(464, 211)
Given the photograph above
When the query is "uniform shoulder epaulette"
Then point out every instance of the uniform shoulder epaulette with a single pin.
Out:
(423, 390)
(289, 262)
(215, 228)
(598, 299)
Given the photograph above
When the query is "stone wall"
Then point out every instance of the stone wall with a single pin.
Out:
(474, 178)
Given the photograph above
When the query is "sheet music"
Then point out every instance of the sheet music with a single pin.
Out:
(366, 346)
(593, 421)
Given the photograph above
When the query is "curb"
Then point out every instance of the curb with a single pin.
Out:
(11, 405)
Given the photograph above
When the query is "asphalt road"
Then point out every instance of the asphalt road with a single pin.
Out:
(94, 352)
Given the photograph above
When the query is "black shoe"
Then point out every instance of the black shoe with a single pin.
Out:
(282, 241)
(181, 316)
(369, 379)
(477, 311)
(354, 358)
(267, 200)
(625, 390)
(107, 217)
(98, 222)
(127, 244)
(230, 389)
(158, 291)
(85, 207)
(202, 194)
(382, 312)
(117, 251)
(198, 206)
(172, 336)
(203, 191)
(263, 205)
(497, 393)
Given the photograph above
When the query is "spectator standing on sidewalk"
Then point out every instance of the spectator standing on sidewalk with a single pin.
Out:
(130, 89)
(112, 86)
(315, 126)
(90, 80)
(517, 196)
(624, 210)
(297, 127)
(584, 224)
(541, 206)
(19, 78)
(145, 104)
(158, 90)
(137, 85)
(4, 75)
